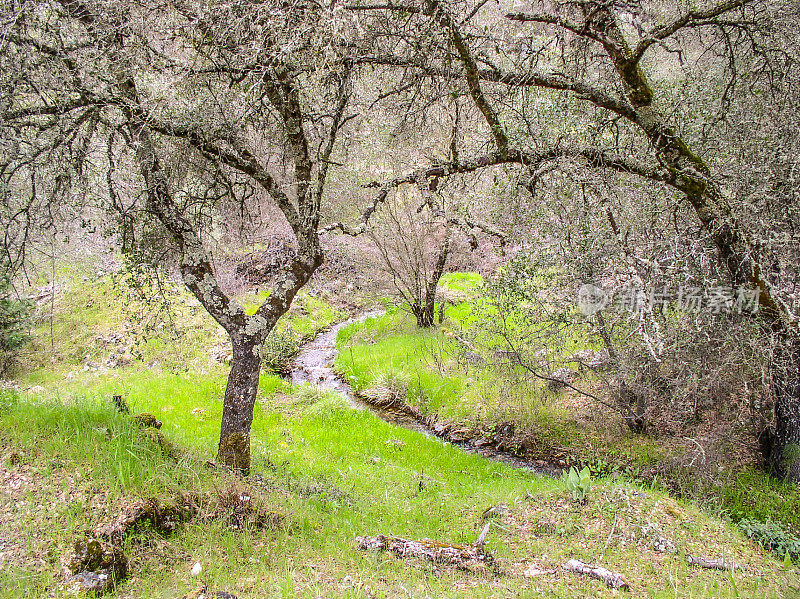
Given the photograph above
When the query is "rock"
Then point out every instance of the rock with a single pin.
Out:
(147, 420)
(460, 434)
(505, 430)
(96, 566)
(440, 428)
(601, 359)
(561, 377)
(663, 545)
(91, 582)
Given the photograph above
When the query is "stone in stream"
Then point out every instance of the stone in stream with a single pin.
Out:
(440, 428)
(460, 434)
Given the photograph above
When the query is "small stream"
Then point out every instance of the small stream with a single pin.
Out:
(314, 364)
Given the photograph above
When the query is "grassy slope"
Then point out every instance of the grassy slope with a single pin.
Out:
(554, 425)
(335, 473)
(440, 382)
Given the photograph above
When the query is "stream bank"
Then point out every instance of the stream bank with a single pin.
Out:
(314, 365)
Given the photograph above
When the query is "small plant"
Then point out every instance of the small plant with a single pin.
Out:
(773, 537)
(279, 350)
(14, 323)
(577, 483)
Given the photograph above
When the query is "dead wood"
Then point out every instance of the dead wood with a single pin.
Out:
(463, 557)
(612, 579)
(713, 564)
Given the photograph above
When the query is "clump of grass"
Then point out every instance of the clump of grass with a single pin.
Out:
(755, 496)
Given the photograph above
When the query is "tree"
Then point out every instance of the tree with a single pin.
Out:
(413, 248)
(573, 54)
(14, 321)
(249, 96)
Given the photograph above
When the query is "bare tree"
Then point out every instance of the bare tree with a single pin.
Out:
(413, 246)
(90, 95)
(571, 55)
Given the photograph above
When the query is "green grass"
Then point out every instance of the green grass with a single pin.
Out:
(440, 382)
(549, 425)
(69, 462)
(337, 473)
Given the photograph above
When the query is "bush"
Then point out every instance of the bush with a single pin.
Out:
(773, 537)
(279, 351)
(14, 323)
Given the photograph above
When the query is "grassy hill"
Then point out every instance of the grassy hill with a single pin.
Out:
(326, 473)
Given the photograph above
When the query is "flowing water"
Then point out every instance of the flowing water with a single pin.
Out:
(314, 365)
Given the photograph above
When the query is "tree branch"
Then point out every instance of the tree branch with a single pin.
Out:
(691, 18)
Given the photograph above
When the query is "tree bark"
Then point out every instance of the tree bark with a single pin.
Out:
(424, 315)
(783, 440)
(240, 399)
(425, 310)
(737, 253)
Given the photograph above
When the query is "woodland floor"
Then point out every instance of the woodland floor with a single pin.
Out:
(329, 473)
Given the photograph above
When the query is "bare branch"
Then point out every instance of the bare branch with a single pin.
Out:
(689, 19)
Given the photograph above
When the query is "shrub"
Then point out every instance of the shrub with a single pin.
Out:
(772, 536)
(14, 323)
(279, 350)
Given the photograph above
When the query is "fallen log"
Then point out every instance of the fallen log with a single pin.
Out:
(713, 564)
(612, 579)
(463, 557)
(164, 516)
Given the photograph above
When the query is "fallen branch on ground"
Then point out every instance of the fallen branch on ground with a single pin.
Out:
(612, 579)
(713, 564)
(463, 557)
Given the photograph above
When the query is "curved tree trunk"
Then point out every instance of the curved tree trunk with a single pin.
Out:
(737, 253)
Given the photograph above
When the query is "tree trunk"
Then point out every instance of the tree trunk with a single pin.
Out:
(783, 441)
(424, 314)
(632, 405)
(240, 399)
(737, 253)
